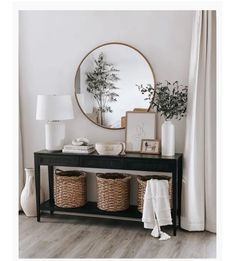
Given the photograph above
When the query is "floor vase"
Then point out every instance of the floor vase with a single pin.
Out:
(28, 195)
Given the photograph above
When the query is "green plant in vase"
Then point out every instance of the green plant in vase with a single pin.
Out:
(170, 100)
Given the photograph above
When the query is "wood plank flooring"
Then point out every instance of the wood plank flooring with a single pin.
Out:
(84, 237)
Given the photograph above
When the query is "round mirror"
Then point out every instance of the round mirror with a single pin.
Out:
(106, 84)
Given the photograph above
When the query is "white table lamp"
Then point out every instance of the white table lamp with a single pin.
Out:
(54, 109)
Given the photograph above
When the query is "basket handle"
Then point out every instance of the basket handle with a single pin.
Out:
(126, 178)
(58, 171)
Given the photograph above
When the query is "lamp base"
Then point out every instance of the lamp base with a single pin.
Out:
(55, 135)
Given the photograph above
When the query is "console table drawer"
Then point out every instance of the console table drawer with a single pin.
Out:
(60, 161)
(147, 165)
(106, 162)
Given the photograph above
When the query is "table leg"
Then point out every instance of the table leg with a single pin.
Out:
(37, 186)
(175, 199)
(51, 188)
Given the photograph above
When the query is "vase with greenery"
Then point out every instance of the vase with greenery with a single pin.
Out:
(170, 100)
(101, 84)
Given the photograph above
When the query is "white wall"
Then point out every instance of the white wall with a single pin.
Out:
(53, 43)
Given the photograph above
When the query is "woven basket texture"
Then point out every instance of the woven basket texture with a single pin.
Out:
(113, 191)
(141, 186)
(70, 188)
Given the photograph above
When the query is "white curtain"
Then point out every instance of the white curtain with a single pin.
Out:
(199, 177)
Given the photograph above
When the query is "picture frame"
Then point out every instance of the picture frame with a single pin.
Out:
(150, 146)
(139, 125)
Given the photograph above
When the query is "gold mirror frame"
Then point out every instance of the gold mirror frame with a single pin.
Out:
(77, 71)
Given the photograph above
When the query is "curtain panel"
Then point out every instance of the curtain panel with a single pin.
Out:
(199, 178)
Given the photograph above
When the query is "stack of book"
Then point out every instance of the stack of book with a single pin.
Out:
(85, 149)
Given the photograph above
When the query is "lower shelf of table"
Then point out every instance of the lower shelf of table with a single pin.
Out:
(91, 209)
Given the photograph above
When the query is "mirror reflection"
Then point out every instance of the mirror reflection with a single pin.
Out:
(105, 84)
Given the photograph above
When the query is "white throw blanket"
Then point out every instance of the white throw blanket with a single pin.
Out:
(156, 209)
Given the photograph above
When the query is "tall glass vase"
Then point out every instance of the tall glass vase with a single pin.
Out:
(168, 138)
(28, 195)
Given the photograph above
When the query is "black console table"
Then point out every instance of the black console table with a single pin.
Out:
(129, 161)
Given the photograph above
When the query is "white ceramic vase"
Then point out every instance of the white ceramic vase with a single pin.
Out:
(168, 138)
(28, 195)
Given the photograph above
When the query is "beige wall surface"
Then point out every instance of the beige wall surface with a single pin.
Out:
(53, 43)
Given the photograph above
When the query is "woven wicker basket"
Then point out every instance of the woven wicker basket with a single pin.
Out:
(141, 186)
(70, 188)
(113, 191)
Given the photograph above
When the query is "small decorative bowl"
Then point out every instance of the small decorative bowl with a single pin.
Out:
(110, 148)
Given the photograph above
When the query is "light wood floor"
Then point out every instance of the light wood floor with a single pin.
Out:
(84, 237)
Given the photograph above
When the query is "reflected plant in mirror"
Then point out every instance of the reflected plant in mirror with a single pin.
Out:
(101, 84)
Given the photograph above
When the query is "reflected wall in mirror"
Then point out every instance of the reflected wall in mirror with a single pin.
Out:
(105, 84)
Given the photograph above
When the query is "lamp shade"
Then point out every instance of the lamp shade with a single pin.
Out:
(54, 107)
